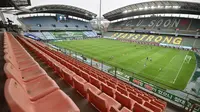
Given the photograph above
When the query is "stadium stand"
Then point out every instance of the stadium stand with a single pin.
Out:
(48, 35)
(158, 24)
(84, 80)
(50, 23)
(168, 39)
(32, 87)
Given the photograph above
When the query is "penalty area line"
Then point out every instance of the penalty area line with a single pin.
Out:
(180, 69)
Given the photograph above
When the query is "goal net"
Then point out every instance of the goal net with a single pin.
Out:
(187, 59)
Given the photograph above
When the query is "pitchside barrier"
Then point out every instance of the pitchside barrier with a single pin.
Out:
(179, 98)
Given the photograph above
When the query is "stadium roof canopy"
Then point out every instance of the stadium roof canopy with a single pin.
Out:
(14, 3)
(154, 7)
(62, 9)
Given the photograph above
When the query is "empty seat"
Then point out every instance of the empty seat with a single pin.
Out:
(113, 85)
(21, 65)
(136, 98)
(123, 91)
(102, 79)
(82, 86)
(152, 107)
(108, 90)
(124, 109)
(97, 101)
(124, 100)
(36, 88)
(18, 100)
(144, 98)
(95, 82)
(68, 75)
(110, 101)
(141, 108)
(26, 75)
(158, 104)
(85, 75)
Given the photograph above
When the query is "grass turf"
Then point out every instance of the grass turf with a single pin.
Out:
(167, 68)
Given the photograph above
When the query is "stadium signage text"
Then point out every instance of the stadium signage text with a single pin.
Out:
(149, 38)
(162, 23)
(160, 92)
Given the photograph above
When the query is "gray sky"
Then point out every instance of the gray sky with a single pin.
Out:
(92, 5)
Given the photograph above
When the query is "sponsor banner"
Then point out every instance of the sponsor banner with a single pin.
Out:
(149, 38)
(161, 92)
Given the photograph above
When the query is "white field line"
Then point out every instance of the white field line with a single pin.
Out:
(172, 59)
(179, 69)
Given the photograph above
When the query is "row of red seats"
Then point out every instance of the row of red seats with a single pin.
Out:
(28, 87)
(85, 88)
(82, 86)
(102, 76)
(97, 83)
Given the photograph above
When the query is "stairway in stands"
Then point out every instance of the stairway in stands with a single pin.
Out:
(3, 104)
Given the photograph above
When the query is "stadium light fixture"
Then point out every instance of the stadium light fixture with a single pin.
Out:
(141, 8)
(127, 11)
(176, 7)
(146, 8)
(152, 7)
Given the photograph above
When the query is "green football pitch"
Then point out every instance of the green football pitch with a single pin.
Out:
(166, 67)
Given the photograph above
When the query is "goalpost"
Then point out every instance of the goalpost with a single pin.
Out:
(187, 59)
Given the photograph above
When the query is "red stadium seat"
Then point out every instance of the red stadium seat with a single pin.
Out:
(108, 90)
(124, 109)
(95, 82)
(113, 85)
(144, 98)
(124, 100)
(141, 108)
(56, 101)
(152, 107)
(158, 104)
(85, 75)
(121, 90)
(68, 75)
(79, 85)
(136, 98)
(36, 88)
(97, 101)
(110, 101)
(26, 75)
(102, 79)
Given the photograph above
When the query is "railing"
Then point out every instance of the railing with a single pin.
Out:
(176, 97)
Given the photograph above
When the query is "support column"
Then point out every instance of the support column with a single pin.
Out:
(2, 17)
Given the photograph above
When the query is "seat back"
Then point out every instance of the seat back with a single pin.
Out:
(121, 90)
(11, 58)
(102, 79)
(140, 108)
(158, 104)
(152, 107)
(99, 102)
(85, 75)
(107, 89)
(79, 86)
(16, 97)
(136, 98)
(144, 98)
(12, 72)
(111, 84)
(124, 100)
(95, 82)
(113, 109)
